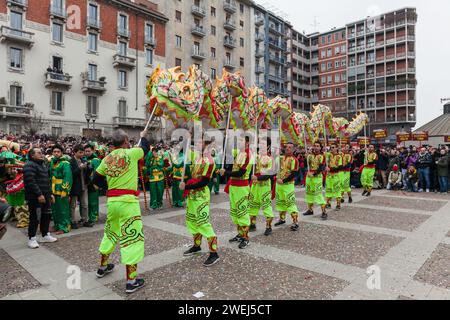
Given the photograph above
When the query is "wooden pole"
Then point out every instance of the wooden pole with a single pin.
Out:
(148, 122)
(226, 132)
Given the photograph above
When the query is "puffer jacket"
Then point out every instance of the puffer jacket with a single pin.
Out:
(36, 180)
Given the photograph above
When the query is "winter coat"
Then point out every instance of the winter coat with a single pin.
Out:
(395, 177)
(442, 165)
(36, 180)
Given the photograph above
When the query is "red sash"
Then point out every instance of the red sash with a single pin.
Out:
(121, 192)
(190, 182)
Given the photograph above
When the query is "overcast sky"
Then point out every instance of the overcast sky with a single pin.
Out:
(432, 37)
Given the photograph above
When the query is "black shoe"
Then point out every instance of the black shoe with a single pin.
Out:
(309, 213)
(268, 232)
(364, 193)
(133, 287)
(294, 227)
(244, 244)
(252, 228)
(193, 250)
(235, 239)
(342, 200)
(74, 225)
(81, 224)
(324, 216)
(101, 273)
(88, 224)
(338, 208)
(280, 223)
(368, 194)
(216, 193)
(328, 206)
(212, 259)
(350, 200)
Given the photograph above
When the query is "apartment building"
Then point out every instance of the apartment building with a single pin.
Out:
(272, 53)
(212, 34)
(72, 66)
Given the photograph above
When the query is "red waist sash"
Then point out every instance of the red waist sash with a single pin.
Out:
(121, 192)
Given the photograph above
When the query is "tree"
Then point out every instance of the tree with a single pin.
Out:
(35, 124)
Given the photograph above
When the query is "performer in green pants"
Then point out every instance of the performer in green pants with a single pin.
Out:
(177, 173)
(155, 169)
(347, 162)
(61, 176)
(261, 192)
(239, 191)
(333, 179)
(370, 159)
(124, 224)
(198, 199)
(285, 188)
(214, 184)
(314, 181)
(93, 194)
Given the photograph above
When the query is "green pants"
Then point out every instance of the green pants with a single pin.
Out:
(16, 199)
(93, 206)
(345, 181)
(197, 218)
(156, 194)
(333, 186)
(367, 178)
(239, 206)
(177, 194)
(214, 183)
(61, 214)
(261, 197)
(314, 188)
(124, 226)
(285, 198)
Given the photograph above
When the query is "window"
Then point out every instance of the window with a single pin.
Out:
(337, 78)
(149, 30)
(329, 79)
(213, 12)
(323, 39)
(343, 49)
(213, 30)
(57, 103)
(123, 48)
(56, 131)
(329, 53)
(93, 13)
(213, 74)
(213, 53)
(324, 93)
(92, 72)
(15, 95)
(337, 64)
(149, 56)
(322, 66)
(177, 62)
(178, 41)
(57, 32)
(337, 50)
(242, 42)
(324, 80)
(343, 77)
(329, 93)
(122, 109)
(196, 47)
(16, 20)
(329, 66)
(122, 79)
(241, 8)
(344, 62)
(329, 38)
(241, 62)
(57, 63)
(322, 54)
(177, 16)
(123, 22)
(92, 105)
(92, 42)
(241, 24)
(15, 58)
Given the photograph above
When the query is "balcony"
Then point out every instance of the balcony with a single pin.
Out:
(229, 42)
(259, 21)
(401, 39)
(379, 44)
(275, 29)
(124, 61)
(230, 25)
(390, 41)
(93, 23)
(281, 46)
(412, 102)
(411, 38)
(411, 70)
(259, 53)
(401, 55)
(411, 55)
(129, 122)
(259, 70)
(401, 103)
(402, 70)
(390, 57)
(276, 59)
(57, 12)
(124, 33)
(198, 31)
(259, 38)
(16, 36)
(360, 33)
(351, 49)
(228, 64)
(196, 54)
(93, 86)
(14, 111)
(198, 11)
(390, 71)
(230, 6)
(18, 3)
(53, 79)
(350, 35)
(314, 73)
(276, 77)
(150, 41)
(380, 58)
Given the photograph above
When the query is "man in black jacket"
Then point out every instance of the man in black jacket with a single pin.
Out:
(38, 193)
(81, 171)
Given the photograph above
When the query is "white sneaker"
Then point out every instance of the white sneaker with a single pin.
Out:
(428, 190)
(49, 239)
(33, 244)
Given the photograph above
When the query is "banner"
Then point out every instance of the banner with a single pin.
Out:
(420, 136)
(380, 134)
(362, 141)
(344, 141)
(447, 139)
(403, 137)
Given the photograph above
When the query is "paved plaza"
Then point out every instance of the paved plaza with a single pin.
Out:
(400, 239)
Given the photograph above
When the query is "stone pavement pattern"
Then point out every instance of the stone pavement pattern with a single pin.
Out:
(406, 236)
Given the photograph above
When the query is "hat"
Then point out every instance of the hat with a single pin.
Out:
(395, 167)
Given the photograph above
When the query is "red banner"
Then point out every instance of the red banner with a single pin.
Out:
(380, 134)
(420, 136)
(447, 139)
(344, 141)
(362, 141)
(403, 137)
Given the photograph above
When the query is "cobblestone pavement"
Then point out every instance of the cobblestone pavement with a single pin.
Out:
(393, 245)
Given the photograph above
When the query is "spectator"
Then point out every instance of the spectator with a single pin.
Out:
(39, 197)
(434, 177)
(442, 165)
(423, 164)
(382, 165)
(395, 179)
(412, 179)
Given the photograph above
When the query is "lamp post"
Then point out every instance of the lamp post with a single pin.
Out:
(88, 119)
(94, 118)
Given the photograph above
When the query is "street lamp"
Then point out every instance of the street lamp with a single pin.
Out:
(88, 119)
(94, 118)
